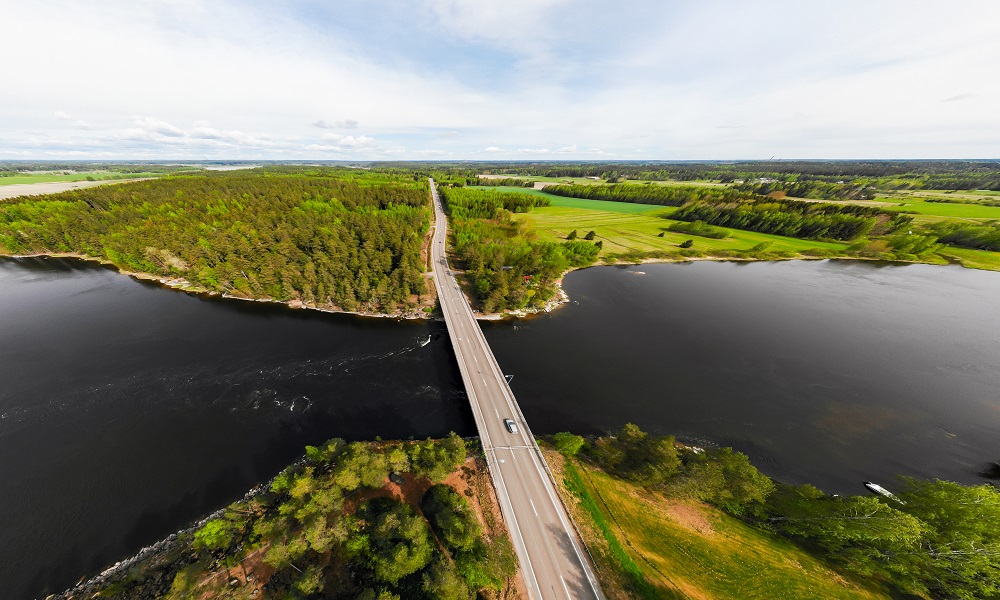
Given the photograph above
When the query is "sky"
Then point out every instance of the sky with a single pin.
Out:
(499, 79)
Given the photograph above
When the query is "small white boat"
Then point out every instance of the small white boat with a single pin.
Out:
(881, 491)
(424, 343)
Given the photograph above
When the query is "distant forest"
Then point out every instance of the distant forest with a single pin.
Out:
(340, 238)
(824, 180)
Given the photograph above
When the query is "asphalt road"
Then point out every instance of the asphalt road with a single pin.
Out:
(553, 562)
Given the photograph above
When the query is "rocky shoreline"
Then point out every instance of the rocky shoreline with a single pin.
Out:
(181, 284)
(154, 552)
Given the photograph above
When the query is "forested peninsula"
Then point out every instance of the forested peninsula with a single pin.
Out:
(328, 238)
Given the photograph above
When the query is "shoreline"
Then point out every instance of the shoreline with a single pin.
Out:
(183, 285)
(559, 299)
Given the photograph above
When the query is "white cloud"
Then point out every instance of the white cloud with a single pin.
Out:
(150, 125)
(347, 124)
(73, 122)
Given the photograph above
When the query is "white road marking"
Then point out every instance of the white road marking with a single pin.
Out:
(568, 595)
(475, 342)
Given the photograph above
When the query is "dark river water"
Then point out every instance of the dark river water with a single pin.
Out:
(127, 411)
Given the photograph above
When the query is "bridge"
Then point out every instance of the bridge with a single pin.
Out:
(553, 561)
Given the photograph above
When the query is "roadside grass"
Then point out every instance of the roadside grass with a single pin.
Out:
(688, 549)
(623, 233)
(56, 177)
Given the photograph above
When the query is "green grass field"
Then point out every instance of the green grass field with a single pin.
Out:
(628, 232)
(974, 259)
(625, 227)
(943, 209)
(685, 549)
(56, 177)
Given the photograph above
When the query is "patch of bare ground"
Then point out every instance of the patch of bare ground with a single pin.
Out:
(689, 515)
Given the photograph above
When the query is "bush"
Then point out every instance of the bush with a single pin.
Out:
(700, 229)
(452, 518)
(437, 459)
(217, 534)
(725, 478)
(638, 456)
(568, 444)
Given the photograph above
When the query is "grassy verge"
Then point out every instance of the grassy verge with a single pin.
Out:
(635, 580)
(680, 548)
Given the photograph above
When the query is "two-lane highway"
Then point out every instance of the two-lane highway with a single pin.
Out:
(552, 560)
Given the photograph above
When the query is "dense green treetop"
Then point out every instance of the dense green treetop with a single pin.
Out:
(334, 238)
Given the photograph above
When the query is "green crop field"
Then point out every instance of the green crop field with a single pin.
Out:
(624, 232)
(685, 549)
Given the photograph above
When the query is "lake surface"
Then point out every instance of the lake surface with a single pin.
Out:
(127, 411)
